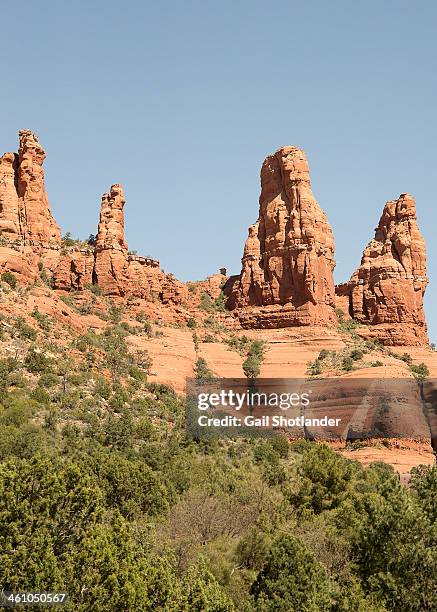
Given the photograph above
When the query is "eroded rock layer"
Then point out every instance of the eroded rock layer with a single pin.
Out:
(386, 292)
(286, 277)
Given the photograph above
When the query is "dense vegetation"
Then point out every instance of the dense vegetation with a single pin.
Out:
(102, 495)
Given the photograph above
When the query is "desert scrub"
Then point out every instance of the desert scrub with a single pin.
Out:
(25, 331)
(191, 323)
(42, 319)
(206, 303)
(255, 356)
(356, 354)
(347, 364)
(240, 345)
(94, 288)
(10, 279)
(202, 371)
(37, 363)
(420, 372)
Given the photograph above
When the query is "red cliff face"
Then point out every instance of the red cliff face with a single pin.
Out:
(286, 277)
(386, 292)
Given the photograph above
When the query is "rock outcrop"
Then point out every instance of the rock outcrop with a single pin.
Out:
(386, 292)
(29, 236)
(288, 261)
(31, 245)
(111, 251)
(38, 226)
(10, 224)
(116, 271)
(25, 212)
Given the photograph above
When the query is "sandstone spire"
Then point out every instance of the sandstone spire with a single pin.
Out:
(286, 277)
(37, 223)
(111, 252)
(387, 289)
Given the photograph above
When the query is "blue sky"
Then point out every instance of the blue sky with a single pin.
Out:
(181, 102)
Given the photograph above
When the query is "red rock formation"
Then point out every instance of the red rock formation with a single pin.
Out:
(9, 202)
(74, 269)
(111, 254)
(29, 233)
(37, 223)
(286, 277)
(119, 273)
(387, 289)
(30, 239)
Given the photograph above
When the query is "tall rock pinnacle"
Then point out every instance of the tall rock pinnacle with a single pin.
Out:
(387, 289)
(25, 212)
(286, 277)
(37, 223)
(111, 253)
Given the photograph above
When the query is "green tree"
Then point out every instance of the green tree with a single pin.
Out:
(292, 579)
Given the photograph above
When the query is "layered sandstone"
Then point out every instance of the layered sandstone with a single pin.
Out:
(386, 292)
(288, 260)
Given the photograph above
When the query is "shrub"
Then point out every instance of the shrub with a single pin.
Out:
(115, 313)
(25, 332)
(48, 380)
(420, 372)
(191, 323)
(102, 388)
(219, 302)
(45, 279)
(348, 325)
(94, 288)
(252, 366)
(315, 367)
(206, 303)
(347, 364)
(147, 329)
(202, 371)
(339, 314)
(42, 319)
(292, 579)
(10, 279)
(36, 362)
(40, 395)
(356, 354)
(407, 358)
(376, 364)
(323, 354)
